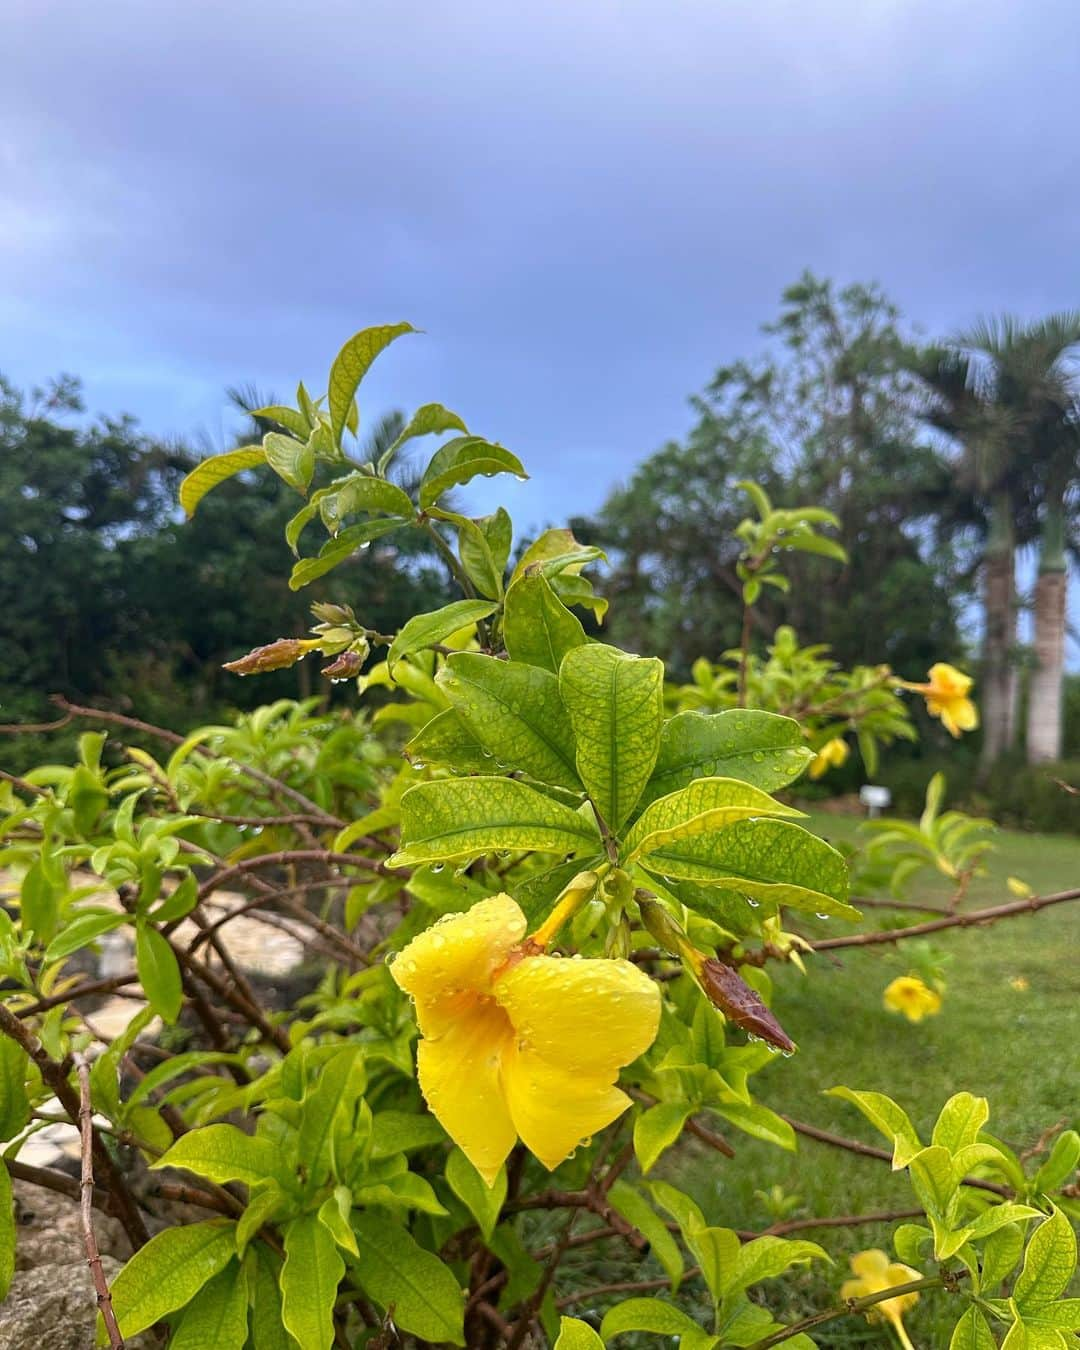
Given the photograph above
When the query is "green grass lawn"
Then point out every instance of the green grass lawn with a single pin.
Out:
(1020, 1049)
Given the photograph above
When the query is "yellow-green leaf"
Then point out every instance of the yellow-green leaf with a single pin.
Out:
(537, 627)
(398, 1273)
(705, 805)
(218, 1316)
(455, 819)
(1049, 1263)
(351, 365)
(516, 714)
(309, 1282)
(577, 1335)
(770, 860)
(428, 630)
(615, 702)
(483, 1202)
(215, 470)
(760, 748)
(224, 1153)
(459, 461)
(169, 1271)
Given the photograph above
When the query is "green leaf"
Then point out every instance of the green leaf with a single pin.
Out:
(636, 1209)
(703, 806)
(14, 1102)
(483, 1202)
(538, 629)
(935, 1182)
(430, 420)
(462, 459)
(215, 470)
(656, 1129)
(218, 1317)
(908, 1242)
(267, 1329)
(406, 1190)
(398, 1273)
(1000, 1253)
(39, 902)
(462, 818)
(483, 547)
(180, 903)
(81, 930)
(972, 1333)
(426, 630)
(662, 1319)
(1049, 1263)
(224, 1153)
(759, 748)
(758, 1121)
(334, 1215)
(264, 1202)
(768, 859)
(887, 1117)
(961, 1119)
(286, 417)
(360, 492)
(1060, 1165)
(446, 740)
(169, 1271)
(332, 1101)
(616, 707)
(7, 1232)
(342, 546)
(293, 461)
(403, 1132)
(516, 714)
(309, 1282)
(577, 1335)
(766, 1257)
(159, 973)
(351, 365)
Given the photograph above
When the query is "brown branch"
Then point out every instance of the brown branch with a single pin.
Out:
(839, 1221)
(293, 855)
(22, 784)
(86, 1204)
(55, 1077)
(870, 1151)
(623, 1287)
(33, 728)
(973, 919)
(106, 986)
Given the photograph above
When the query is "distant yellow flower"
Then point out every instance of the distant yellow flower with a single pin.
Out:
(909, 995)
(831, 755)
(1019, 888)
(516, 1043)
(877, 1273)
(946, 697)
(1020, 984)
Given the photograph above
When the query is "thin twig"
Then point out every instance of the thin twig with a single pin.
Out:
(974, 918)
(86, 1204)
(855, 1305)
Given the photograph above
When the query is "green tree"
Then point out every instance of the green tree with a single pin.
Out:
(1003, 391)
(829, 414)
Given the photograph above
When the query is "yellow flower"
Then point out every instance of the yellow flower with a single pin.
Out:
(876, 1273)
(909, 995)
(947, 697)
(516, 1043)
(1020, 984)
(1019, 888)
(831, 755)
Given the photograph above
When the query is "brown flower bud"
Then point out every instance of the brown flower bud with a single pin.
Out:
(277, 655)
(741, 1004)
(344, 666)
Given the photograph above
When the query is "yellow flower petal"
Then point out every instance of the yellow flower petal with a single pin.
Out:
(455, 956)
(965, 714)
(460, 1076)
(577, 1022)
(592, 1016)
(554, 1108)
(950, 682)
(871, 1265)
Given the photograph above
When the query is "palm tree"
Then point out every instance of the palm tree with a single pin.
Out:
(1004, 391)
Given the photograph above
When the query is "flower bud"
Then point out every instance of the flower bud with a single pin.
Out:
(728, 991)
(277, 655)
(661, 926)
(344, 666)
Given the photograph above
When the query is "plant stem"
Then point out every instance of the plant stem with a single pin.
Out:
(853, 1305)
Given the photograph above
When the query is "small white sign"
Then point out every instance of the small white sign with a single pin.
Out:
(875, 798)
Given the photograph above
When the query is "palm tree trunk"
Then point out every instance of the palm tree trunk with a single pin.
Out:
(1044, 702)
(999, 602)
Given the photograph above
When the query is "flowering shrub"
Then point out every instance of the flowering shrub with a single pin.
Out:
(543, 934)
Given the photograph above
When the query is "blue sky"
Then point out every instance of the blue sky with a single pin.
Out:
(587, 206)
